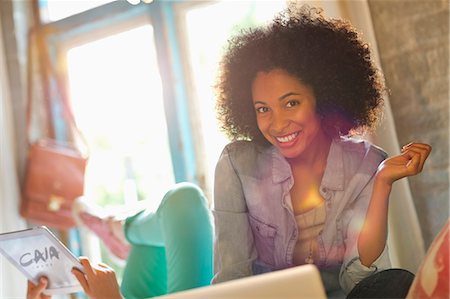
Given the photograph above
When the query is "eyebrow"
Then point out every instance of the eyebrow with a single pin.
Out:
(281, 98)
(288, 95)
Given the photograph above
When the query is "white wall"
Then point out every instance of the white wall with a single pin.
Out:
(405, 238)
(12, 282)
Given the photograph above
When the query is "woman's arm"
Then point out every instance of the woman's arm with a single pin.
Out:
(372, 239)
(234, 252)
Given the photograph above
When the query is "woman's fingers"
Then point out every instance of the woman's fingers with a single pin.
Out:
(417, 144)
(99, 280)
(413, 164)
(87, 277)
(412, 156)
(104, 266)
(410, 162)
(87, 266)
(34, 291)
(82, 279)
(422, 149)
(31, 291)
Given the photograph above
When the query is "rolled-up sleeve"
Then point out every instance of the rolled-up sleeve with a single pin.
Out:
(352, 270)
(234, 250)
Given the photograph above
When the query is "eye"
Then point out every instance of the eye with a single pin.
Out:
(262, 109)
(292, 103)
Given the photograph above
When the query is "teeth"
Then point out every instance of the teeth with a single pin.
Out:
(287, 138)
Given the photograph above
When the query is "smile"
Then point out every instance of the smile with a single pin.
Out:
(287, 138)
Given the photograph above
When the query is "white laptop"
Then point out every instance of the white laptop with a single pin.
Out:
(302, 282)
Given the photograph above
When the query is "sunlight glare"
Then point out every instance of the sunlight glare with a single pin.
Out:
(206, 48)
(116, 95)
(60, 9)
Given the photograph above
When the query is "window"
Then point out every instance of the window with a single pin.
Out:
(116, 95)
(206, 39)
(140, 83)
(112, 67)
(54, 10)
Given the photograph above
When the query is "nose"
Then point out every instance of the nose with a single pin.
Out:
(279, 123)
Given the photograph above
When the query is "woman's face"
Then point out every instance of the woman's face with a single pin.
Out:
(285, 112)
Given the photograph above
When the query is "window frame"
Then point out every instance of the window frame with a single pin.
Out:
(112, 17)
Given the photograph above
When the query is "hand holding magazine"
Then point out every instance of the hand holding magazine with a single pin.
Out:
(37, 252)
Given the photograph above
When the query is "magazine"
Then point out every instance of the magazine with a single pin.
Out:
(37, 252)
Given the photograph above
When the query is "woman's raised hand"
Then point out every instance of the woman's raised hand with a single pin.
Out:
(410, 162)
(98, 281)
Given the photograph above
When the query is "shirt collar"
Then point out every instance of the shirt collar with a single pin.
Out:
(281, 170)
(333, 178)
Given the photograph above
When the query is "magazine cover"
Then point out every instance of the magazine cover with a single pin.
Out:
(37, 252)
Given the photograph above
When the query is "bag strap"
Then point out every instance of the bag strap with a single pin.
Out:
(37, 49)
(61, 88)
(32, 54)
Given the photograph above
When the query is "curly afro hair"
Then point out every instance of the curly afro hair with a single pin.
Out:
(326, 54)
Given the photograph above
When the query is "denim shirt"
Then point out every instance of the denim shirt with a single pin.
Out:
(255, 227)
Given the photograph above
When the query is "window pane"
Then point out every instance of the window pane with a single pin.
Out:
(205, 45)
(116, 95)
(53, 10)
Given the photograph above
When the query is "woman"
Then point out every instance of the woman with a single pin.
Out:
(294, 188)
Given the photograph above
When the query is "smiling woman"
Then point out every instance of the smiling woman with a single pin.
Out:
(286, 115)
(203, 47)
(295, 186)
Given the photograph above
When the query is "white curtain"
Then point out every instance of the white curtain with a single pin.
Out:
(12, 282)
(405, 239)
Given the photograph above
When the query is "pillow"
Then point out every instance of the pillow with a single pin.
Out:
(432, 278)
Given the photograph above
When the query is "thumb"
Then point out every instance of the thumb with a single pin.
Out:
(43, 281)
(35, 291)
(414, 163)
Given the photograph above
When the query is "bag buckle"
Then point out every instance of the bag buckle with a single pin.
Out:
(55, 202)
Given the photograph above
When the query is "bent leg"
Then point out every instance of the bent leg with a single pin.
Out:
(144, 229)
(145, 273)
(172, 248)
(188, 237)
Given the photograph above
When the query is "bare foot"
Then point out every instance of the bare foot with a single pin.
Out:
(110, 231)
(100, 221)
